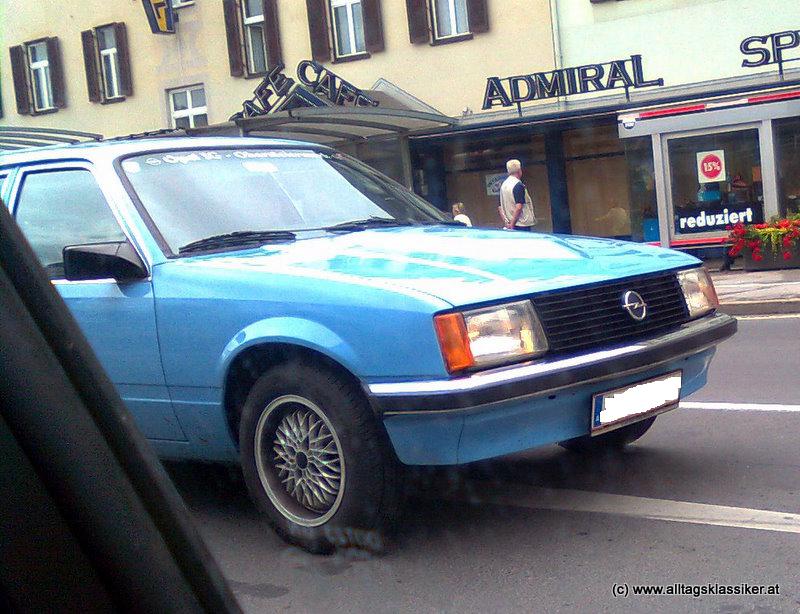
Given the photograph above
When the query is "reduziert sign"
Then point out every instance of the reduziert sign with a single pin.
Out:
(617, 74)
(717, 217)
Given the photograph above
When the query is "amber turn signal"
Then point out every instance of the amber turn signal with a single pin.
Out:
(452, 333)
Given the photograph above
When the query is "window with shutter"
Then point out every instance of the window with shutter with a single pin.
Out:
(90, 65)
(38, 73)
(124, 56)
(478, 12)
(347, 17)
(230, 10)
(59, 100)
(373, 25)
(450, 18)
(19, 75)
(106, 61)
(109, 62)
(253, 34)
(318, 30)
(272, 33)
(417, 13)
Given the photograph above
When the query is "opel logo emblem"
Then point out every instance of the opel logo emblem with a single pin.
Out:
(634, 304)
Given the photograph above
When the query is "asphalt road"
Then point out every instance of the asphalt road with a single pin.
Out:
(692, 503)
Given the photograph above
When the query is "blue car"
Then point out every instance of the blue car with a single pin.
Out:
(283, 306)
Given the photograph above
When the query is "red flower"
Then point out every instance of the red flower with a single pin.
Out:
(757, 256)
(754, 244)
(761, 226)
(787, 241)
(787, 255)
(734, 251)
(784, 224)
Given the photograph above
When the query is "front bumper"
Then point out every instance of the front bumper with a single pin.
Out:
(509, 409)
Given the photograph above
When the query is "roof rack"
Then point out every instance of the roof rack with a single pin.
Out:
(22, 137)
(150, 134)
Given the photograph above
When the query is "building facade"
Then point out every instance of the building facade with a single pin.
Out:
(615, 107)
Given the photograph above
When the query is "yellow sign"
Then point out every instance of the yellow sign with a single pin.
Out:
(160, 16)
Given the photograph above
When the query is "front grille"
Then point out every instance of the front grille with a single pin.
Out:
(593, 316)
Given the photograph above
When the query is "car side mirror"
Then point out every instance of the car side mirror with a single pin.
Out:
(117, 260)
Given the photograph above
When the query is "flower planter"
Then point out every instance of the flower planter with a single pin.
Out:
(770, 261)
(767, 246)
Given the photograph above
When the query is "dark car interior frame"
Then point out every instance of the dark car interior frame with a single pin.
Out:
(89, 520)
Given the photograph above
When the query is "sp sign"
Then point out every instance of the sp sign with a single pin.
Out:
(711, 166)
(160, 16)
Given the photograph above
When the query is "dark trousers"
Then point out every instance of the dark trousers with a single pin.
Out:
(524, 228)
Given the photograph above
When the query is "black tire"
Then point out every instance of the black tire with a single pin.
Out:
(276, 413)
(613, 440)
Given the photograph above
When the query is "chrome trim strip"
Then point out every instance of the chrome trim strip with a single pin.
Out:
(518, 373)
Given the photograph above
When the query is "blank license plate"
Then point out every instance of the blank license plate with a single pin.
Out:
(622, 406)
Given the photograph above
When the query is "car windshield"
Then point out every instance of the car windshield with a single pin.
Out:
(194, 195)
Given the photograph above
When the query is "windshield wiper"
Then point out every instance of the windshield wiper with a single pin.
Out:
(370, 222)
(240, 237)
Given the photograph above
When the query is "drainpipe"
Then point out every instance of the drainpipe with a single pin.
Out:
(556, 34)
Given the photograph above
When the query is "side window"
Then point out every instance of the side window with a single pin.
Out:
(60, 208)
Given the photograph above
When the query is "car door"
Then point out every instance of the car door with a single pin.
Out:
(62, 205)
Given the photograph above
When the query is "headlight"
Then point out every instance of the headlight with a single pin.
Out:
(490, 336)
(699, 292)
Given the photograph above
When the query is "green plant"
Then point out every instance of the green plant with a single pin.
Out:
(779, 236)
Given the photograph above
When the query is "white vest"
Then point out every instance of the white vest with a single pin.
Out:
(508, 203)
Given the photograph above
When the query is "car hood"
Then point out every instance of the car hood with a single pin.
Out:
(461, 266)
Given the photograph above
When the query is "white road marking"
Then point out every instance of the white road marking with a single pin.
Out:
(741, 406)
(774, 316)
(531, 497)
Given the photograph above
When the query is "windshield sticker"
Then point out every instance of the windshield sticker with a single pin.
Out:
(259, 166)
(245, 154)
(131, 166)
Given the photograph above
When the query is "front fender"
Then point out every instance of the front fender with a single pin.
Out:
(292, 331)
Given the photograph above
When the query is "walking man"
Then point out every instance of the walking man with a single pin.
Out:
(516, 206)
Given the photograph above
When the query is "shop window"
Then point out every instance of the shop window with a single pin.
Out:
(187, 107)
(348, 27)
(38, 76)
(597, 182)
(715, 181)
(474, 169)
(344, 30)
(787, 147)
(106, 61)
(446, 21)
(253, 36)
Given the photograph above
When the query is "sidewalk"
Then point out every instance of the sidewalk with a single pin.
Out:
(761, 292)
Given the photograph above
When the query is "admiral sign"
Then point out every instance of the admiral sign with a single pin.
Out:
(617, 74)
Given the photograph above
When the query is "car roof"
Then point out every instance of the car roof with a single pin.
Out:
(115, 148)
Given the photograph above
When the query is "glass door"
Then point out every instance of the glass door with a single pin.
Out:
(713, 181)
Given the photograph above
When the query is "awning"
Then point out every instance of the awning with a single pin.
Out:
(19, 137)
(336, 125)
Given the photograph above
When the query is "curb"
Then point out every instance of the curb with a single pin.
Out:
(769, 307)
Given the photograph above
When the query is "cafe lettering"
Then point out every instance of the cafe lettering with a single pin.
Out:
(617, 74)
